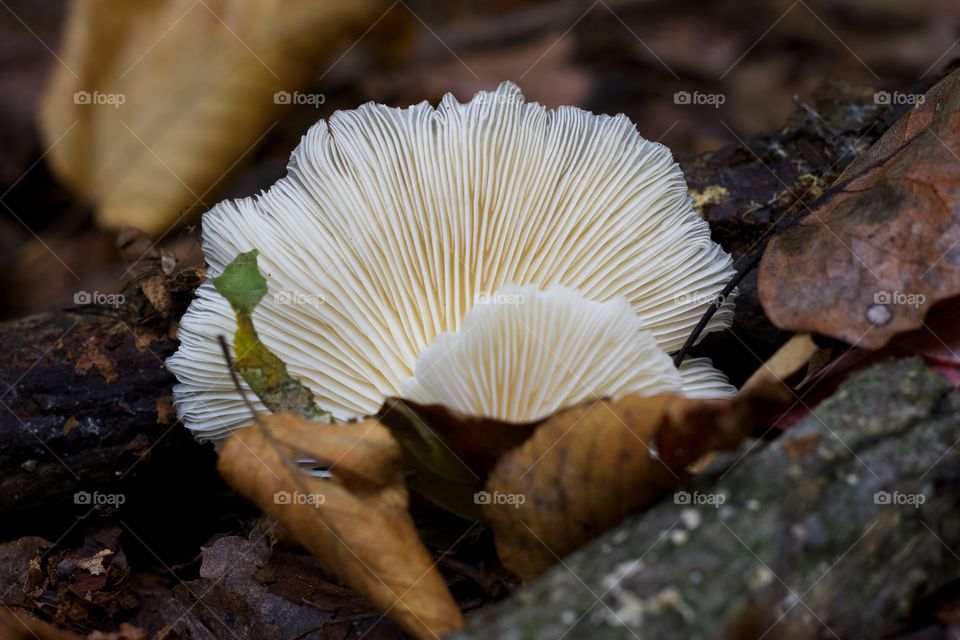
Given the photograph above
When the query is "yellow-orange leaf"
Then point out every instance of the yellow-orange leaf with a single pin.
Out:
(355, 522)
(156, 100)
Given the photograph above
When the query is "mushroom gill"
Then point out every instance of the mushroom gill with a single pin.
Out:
(392, 223)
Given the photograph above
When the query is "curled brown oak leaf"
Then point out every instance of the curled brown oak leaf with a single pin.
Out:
(352, 516)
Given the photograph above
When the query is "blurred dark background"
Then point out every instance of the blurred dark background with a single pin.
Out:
(742, 63)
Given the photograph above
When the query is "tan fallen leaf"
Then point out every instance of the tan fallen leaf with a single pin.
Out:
(589, 466)
(21, 625)
(789, 359)
(156, 101)
(355, 522)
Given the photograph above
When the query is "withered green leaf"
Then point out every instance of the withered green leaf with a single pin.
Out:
(451, 453)
(242, 284)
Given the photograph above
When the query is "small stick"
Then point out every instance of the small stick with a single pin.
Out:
(712, 309)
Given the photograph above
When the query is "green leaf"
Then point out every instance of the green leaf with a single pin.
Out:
(242, 284)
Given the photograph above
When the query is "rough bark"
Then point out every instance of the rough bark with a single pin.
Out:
(87, 408)
(800, 548)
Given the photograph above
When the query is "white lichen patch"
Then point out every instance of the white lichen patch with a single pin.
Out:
(630, 610)
(691, 518)
(760, 578)
(94, 564)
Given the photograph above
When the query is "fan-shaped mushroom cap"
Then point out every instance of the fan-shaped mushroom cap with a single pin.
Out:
(391, 222)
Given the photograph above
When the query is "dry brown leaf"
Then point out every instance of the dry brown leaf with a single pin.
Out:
(884, 246)
(357, 522)
(156, 100)
(21, 625)
(155, 289)
(589, 466)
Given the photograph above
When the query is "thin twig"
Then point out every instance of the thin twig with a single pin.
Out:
(712, 309)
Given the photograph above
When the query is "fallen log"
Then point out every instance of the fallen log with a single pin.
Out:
(86, 413)
(847, 527)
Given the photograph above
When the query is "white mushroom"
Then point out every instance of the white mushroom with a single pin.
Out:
(524, 354)
(392, 222)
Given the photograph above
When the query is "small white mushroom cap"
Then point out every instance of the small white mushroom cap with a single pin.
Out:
(702, 380)
(391, 222)
(523, 354)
